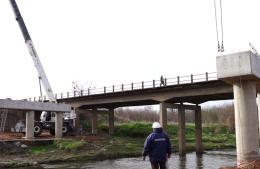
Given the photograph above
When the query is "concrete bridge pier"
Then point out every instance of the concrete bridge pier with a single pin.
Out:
(163, 115)
(198, 130)
(94, 122)
(247, 135)
(242, 70)
(58, 124)
(29, 125)
(258, 105)
(111, 121)
(181, 132)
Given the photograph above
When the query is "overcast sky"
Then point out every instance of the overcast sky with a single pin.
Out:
(107, 42)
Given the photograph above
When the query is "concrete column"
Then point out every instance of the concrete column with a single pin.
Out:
(111, 121)
(163, 115)
(94, 123)
(58, 124)
(29, 125)
(77, 121)
(181, 132)
(258, 105)
(247, 136)
(198, 130)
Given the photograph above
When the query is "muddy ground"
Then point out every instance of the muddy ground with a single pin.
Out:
(18, 152)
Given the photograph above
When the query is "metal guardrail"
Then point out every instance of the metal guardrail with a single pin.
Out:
(179, 80)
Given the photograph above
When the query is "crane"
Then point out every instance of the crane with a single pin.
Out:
(34, 55)
(47, 118)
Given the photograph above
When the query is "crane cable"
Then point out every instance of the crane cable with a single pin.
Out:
(220, 47)
(216, 21)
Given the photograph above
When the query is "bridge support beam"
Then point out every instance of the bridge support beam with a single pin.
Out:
(111, 121)
(29, 125)
(247, 135)
(94, 123)
(58, 124)
(181, 132)
(198, 130)
(163, 115)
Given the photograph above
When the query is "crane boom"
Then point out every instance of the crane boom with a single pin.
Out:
(34, 55)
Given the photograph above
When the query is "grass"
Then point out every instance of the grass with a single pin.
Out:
(68, 144)
(128, 141)
(65, 144)
(41, 149)
(214, 136)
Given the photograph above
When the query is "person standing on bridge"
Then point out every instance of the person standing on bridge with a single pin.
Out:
(162, 81)
(157, 145)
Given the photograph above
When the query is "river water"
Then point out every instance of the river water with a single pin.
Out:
(209, 160)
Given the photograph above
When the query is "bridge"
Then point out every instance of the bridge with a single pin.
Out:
(180, 89)
(240, 79)
(182, 93)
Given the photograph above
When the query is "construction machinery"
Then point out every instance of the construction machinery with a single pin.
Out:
(47, 119)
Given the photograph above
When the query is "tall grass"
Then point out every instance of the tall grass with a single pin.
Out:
(222, 114)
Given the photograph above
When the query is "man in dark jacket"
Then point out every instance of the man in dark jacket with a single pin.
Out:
(157, 145)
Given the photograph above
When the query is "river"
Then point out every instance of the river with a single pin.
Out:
(209, 160)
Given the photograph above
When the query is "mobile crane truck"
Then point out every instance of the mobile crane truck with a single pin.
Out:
(47, 119)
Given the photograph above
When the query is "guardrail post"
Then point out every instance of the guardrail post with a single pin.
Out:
(153, 83)
(178, 80)
(122, 87)
(207, 76)
(104, 89)
(191, 78)
(132, 86)
(113, 88)
(142, 85)
(88, 91)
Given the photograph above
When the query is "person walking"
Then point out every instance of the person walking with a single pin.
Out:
(157, 145)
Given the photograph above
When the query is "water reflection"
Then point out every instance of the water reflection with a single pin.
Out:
(182, 162)
(199, 160)
(209, 160)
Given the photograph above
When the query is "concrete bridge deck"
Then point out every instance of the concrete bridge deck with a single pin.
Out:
(195, 93)
(195, 89)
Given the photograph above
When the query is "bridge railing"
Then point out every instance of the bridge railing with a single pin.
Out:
(179, 80)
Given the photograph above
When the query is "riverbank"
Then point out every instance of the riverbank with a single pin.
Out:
(127, 141)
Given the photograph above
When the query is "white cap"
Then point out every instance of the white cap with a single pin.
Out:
(156, 125)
